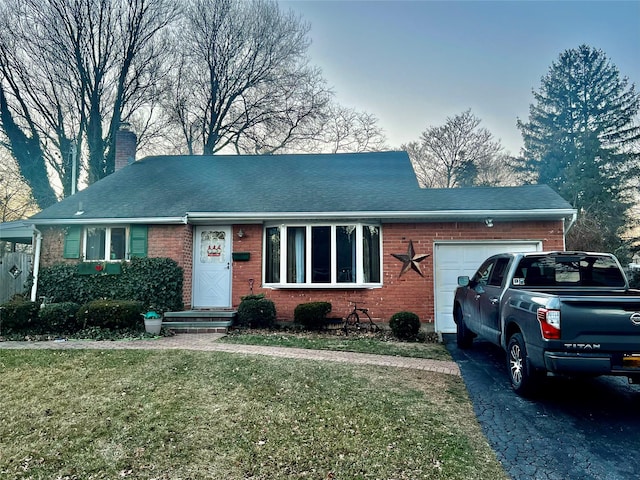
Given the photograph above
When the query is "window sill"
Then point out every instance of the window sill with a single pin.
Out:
(116, 260)
(321, 286)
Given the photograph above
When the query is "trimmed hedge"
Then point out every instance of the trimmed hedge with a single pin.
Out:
(312, 315)
(156, 282)
(23, 316)
(405, 325)
(111, 314)
(256, 311)
(18, 316)
(59, 318)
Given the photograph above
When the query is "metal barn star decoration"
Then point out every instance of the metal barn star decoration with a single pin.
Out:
(410, 260)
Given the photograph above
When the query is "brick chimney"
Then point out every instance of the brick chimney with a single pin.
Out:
(126, 142)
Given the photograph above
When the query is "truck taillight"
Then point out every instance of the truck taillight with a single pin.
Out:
(549, 323)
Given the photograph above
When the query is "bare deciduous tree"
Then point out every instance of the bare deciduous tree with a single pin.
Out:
(458, 153)
(71, 73)
(232, 75)
(243, 80)
(348, 130)
(341, 129)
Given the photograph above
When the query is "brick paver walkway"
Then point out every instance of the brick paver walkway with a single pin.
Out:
(208, 342)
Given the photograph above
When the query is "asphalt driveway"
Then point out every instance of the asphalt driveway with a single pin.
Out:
(573, 429)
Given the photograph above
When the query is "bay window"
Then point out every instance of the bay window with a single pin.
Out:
(335, 254)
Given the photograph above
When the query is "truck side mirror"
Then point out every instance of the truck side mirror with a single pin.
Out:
(463, 281)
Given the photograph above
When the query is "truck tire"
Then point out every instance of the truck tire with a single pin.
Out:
(523, 380)
(464, 338)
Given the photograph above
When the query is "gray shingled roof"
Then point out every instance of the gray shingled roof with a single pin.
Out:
(379, 184)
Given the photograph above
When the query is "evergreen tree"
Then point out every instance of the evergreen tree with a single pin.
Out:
(581, 140)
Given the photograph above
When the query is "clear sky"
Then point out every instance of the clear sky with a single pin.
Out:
(414, 63)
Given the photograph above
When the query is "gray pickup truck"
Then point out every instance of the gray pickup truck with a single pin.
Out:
(565, 313)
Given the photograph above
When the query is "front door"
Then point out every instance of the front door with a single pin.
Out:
(212, 267)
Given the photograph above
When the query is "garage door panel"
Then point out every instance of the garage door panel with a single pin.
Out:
(455, 259)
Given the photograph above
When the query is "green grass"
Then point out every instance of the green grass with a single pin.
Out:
(112, 414)
(381, 344)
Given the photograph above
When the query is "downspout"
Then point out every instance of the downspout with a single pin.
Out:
(574, 217)
(36, 263)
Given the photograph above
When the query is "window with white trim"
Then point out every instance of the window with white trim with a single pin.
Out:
(337, 254)
(105, 243)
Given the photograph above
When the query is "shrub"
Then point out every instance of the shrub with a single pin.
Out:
(312, 315)
(155, 282)
(112, 314)
(59, 317)
(18, 316)
(405, 325)
(256, 311)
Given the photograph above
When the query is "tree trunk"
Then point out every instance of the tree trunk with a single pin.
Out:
(29, 156)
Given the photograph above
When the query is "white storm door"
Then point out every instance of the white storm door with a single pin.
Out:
(212, 267)
(459, 258)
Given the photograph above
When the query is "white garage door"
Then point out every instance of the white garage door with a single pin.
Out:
(453, 259)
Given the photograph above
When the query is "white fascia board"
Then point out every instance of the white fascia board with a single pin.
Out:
(259, 217)
(79, 220)
(16, 231)
(428, 216)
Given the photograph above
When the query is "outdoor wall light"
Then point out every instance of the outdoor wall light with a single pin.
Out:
(240, 233)
(488, 222)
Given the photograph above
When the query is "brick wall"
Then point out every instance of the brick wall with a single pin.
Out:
(246, 274)
(53, 247)
(174, 241)
(409, 292)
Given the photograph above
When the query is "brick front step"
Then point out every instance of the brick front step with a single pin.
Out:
(199, 321)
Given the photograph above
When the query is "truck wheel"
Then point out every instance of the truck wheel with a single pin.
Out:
(523, 381)
(464, 338)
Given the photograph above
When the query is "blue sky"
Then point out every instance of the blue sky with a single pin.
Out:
(415, 63)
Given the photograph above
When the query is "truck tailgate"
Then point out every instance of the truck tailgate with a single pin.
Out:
(613, 321)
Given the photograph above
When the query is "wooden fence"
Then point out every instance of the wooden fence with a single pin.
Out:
(14, 272)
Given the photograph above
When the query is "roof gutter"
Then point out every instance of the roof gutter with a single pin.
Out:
(445, 215)
(110, 221)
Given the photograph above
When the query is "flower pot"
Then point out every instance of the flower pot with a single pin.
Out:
(153, 325)
(152, 322)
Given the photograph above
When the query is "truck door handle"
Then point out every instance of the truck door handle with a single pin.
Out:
(494, 300)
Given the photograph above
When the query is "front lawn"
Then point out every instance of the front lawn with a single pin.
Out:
(74, 414)
(382, 344)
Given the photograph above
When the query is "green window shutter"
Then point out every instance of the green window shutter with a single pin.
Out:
(72, 242)
(138, 241)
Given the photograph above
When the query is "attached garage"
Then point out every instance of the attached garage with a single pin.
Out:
(452, 259)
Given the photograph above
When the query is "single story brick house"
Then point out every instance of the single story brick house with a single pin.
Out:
(340, 228)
